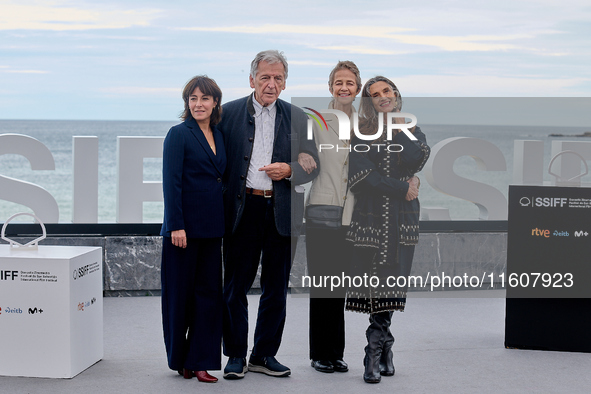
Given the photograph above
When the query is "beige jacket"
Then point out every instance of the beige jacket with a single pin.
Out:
(330, 187)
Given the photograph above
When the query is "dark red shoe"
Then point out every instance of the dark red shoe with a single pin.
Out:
(203, 376)
(187, 373)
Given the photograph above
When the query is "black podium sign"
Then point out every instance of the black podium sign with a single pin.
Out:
(548, 279)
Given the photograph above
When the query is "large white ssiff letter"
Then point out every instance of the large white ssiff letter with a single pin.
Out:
(439, 172)
(85, 160)
(28, 194)
(132, 191)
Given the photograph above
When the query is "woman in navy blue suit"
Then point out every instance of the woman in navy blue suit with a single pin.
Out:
(194, 160)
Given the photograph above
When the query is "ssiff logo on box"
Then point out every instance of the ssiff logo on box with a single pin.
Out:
(543, 202)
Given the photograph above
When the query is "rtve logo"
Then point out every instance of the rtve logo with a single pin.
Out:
(540, 233)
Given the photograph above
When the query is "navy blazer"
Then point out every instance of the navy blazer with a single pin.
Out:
(237, 126)
(192, 182)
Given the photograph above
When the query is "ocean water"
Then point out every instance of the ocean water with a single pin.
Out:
(57, 136)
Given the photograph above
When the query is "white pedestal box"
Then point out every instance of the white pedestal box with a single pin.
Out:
(51, 310)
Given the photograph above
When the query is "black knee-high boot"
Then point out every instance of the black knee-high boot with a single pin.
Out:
(376, 337)
(386, 359)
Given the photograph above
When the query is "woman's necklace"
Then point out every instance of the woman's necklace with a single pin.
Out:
(209, 137)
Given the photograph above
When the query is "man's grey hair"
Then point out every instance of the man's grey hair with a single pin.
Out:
(270, 56)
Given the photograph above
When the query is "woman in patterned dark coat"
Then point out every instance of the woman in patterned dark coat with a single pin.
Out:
(385, 223)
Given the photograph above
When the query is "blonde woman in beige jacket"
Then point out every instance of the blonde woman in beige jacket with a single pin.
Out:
(326, 249)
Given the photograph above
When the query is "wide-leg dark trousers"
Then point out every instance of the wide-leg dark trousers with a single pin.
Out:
(255, 240)
(327, 254)
(192, 303)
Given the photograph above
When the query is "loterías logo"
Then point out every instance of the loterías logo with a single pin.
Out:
(345, 128)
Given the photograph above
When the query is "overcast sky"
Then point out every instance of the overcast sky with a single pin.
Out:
(129, 59)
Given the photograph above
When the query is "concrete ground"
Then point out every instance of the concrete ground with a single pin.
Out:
(443, 345)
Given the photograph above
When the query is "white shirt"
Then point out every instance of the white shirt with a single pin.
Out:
(262, 151)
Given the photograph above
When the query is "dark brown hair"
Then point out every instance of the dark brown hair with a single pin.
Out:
(207, 86)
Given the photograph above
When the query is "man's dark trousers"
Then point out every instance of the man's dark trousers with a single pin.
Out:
(256, 234)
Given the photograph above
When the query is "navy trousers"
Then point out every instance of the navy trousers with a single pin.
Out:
(255, 240)
(192, 303)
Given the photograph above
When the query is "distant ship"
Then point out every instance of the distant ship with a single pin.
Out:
(585, 134)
